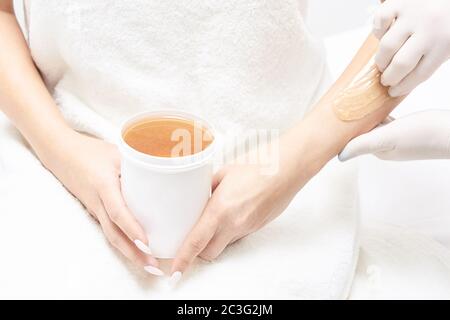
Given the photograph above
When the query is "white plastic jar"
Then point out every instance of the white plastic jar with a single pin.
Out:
(166, 194)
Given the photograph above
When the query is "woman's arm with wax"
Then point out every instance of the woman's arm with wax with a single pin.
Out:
(245, 199)
(355, 104)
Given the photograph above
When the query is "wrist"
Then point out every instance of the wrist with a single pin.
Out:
(306, 148)
(302, 156)
(53, 144)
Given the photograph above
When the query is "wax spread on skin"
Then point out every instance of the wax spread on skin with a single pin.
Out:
(364, 95)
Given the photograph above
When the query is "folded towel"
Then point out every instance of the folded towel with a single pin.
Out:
(399, 263)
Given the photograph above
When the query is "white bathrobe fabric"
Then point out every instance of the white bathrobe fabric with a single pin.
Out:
(240, 64)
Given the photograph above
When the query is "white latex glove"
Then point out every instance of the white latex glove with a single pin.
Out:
(419, 136)
(414, 41)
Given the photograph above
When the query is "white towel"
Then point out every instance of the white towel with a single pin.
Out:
(398, 263)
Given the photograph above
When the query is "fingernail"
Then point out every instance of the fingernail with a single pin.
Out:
(175, 278)
(342, 157)
(153, 270)
(143, 247)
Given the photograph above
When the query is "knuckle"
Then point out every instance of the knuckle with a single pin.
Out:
(220, 204)
(114, 215)
(103, 183)
(196, 245)
(218, 212)
(381, 14)
(378, 58)
(215, 221)
(401, 64)
(387, 47)
(396, 91)
(182, 263)
(208, 256)
(422, 74)
(386, 80)
(379, 62)
(242, 223)
(382, 61)
(248, 225)
(96, 207)
(235, 223)
(214, 218)
(435, 15)
(229, 220)
(135, 260)
(114, 240)
(93, 214)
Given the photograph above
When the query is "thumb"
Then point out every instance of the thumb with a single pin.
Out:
(217, 178)
(372, 142)
(196, 241)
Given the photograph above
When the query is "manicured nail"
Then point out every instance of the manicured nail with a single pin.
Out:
(153, 270)
(175, 278)
(343, 156)
(143, 247)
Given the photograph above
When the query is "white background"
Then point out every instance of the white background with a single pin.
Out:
(326, 17)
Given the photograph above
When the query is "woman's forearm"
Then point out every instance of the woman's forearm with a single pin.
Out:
(24, 97)
(323, 134)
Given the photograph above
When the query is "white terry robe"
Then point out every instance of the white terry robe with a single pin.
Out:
(240, 64)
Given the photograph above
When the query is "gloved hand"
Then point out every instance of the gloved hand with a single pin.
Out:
(419, 136)
(414, 41)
